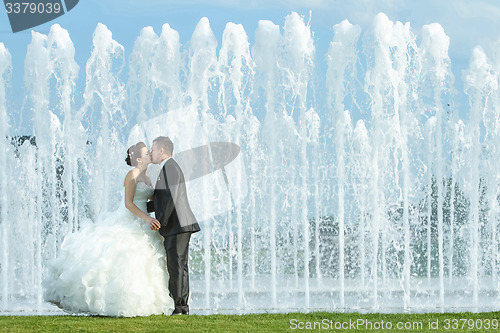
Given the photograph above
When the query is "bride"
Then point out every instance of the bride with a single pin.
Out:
(115, 267)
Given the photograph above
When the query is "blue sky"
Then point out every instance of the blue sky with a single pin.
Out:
(467, 23)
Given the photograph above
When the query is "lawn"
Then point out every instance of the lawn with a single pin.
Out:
(293, 322)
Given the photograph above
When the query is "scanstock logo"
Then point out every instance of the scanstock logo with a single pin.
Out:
(25, 14)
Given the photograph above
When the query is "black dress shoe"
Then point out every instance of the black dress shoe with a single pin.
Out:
(175, 313)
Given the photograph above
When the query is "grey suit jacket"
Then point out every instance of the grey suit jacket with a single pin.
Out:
(171, 204)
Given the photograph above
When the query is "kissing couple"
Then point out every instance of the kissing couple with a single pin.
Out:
(130, 263)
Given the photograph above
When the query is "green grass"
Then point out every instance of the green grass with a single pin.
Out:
(292, 322)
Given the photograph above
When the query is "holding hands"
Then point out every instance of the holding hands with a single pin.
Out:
(153, 223)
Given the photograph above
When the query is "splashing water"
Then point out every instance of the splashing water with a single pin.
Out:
(370, 193)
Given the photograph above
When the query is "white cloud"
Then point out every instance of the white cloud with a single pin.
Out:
(478, 9)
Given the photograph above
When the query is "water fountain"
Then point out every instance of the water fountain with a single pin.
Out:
(365, 190)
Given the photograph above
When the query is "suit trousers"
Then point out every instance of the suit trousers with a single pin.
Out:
(177, 250)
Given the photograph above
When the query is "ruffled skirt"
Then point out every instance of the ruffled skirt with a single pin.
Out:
(116, 267)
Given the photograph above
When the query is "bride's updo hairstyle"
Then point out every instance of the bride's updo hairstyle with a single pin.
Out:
(133, 153)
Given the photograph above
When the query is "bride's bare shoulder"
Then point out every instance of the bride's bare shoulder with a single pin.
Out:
(131, 176)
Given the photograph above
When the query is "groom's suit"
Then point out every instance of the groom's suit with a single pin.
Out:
(178, 222)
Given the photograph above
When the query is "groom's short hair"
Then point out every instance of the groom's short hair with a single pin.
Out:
(165, 143)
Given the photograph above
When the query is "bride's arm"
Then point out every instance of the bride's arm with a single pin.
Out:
(130, 186)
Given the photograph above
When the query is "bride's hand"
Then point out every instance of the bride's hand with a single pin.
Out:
(153, 223)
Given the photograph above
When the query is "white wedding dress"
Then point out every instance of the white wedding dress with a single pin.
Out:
(115, 267)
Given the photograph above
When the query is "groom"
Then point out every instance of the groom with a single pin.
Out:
(177, 221)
